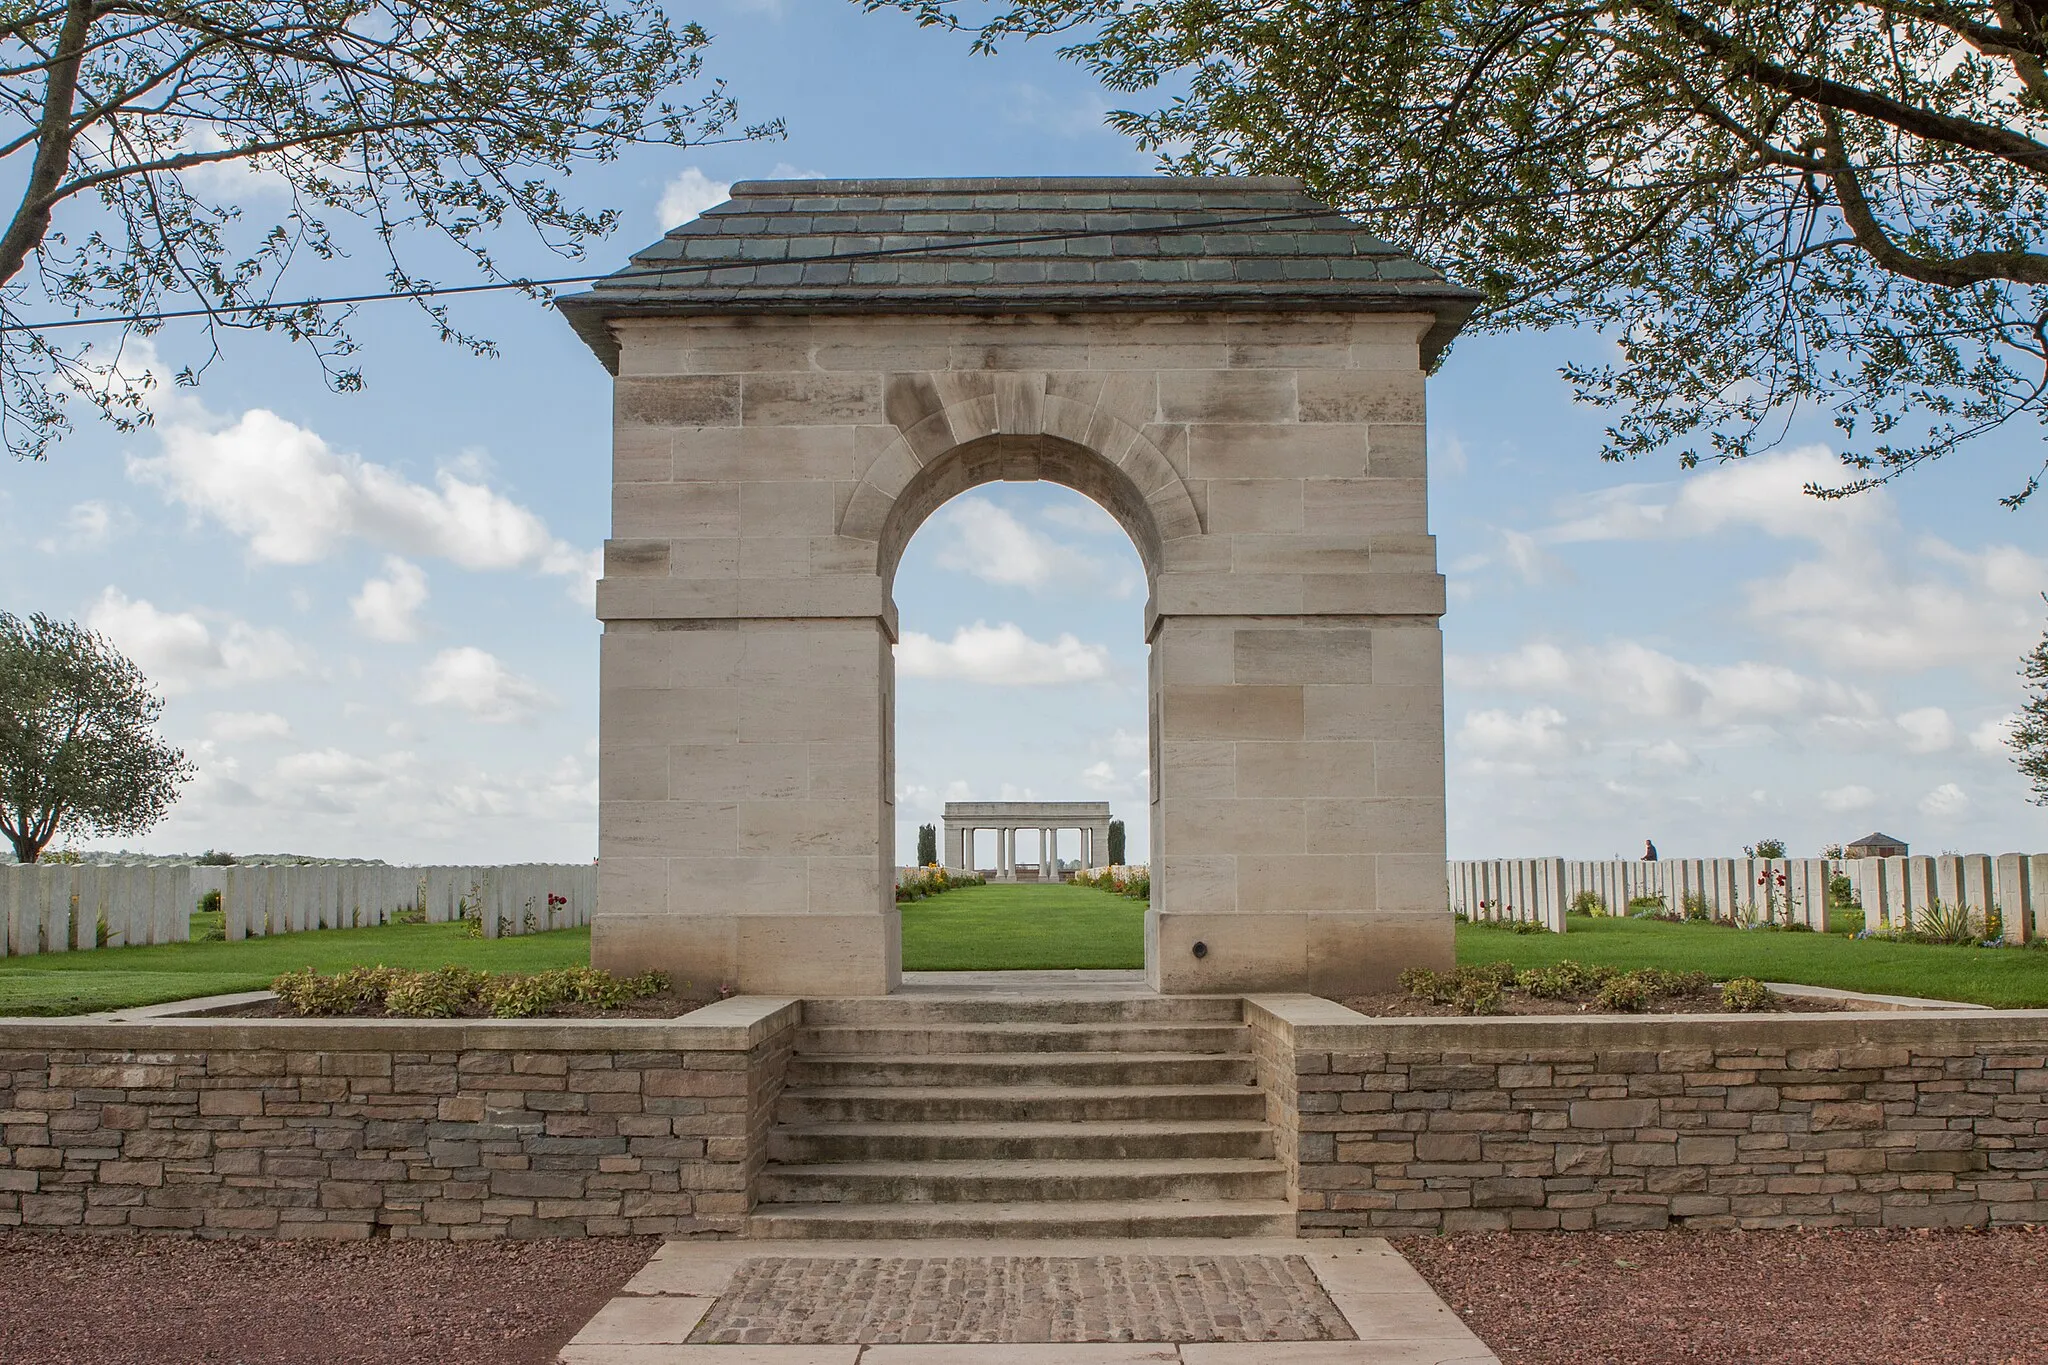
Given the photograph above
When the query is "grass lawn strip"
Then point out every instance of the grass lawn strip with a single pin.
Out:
(2006, 978)
(1023, 928)
(121, 978)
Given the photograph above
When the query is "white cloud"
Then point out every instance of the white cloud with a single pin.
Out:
(1853, 797)
(231, 726)
(1001, 655)
(689, 194)
(1538, 732)
(1873, 596)
(1946, 800)
(388, 608)
(1667, 755)
(1447, 454)
(1928, 730)
(181, 651)
(1764, 492)
(474, 680)
(1082, 514)
(1994, 736)
(1645, 682)
(986, 541)
(87, 526)
(297, 500)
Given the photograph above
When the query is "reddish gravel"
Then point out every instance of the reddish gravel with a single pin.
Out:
(72, 1300)
(1859, 1298)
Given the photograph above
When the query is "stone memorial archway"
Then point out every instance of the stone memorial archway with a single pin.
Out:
(1232, 370)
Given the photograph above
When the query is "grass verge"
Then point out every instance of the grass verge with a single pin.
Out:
(120, 978)
(2010, 978)
(1023, 928)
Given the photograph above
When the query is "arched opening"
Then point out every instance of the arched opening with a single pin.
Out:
(1019, 567)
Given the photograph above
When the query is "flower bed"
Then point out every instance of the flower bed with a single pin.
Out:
(458, 992)
(1570, 987)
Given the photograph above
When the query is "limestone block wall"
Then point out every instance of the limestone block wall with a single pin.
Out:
(437, 1129)
(1270, 469)
(1851, 1120)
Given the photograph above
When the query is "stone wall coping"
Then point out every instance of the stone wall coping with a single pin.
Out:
(734, 1025)
(1313, 1024)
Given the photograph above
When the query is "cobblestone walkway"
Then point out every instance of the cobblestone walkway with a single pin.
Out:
(784, 1301)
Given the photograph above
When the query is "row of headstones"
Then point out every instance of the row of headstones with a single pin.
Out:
(1785, 891)
(61, 908)
(55, 908)
(1898, 893)
(522, 898)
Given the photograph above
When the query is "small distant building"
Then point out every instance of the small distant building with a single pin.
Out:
(1877, 846)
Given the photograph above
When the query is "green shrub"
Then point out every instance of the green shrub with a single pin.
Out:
(1501, 974)
(1426, 984)
(1696, 907)
(440, 994)
(349, 992)
(1563, 980)
(1625, 993)
(1745, 995)
(209, 904)
(1765, 848)
(1587, 903)
(451, 991)
(1646, 907)
(1477, 995)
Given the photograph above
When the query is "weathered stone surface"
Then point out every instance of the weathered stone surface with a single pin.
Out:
(325, 1143)
(1622, 1125)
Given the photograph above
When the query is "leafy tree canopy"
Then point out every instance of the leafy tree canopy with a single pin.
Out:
(371, 122)
(1767, 204)
(2029, 736)
(78, 747)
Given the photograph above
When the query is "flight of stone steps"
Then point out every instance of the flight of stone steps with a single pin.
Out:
(1009, 1117)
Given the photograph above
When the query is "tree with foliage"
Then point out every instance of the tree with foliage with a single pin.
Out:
(927, 845)
(364, 122)
(1764, 848)
(2029, 736)
(1116, 843)
(78, 747)
(1766, 204)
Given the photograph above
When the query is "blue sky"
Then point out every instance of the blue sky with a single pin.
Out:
(371, 612)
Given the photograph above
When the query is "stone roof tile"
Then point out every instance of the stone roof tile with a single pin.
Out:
(1111, 244)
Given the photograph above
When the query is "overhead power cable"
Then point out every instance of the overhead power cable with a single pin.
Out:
(678, 268)
(963, 243)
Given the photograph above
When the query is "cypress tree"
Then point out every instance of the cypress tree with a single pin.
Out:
(1116, 843)
(927, 845)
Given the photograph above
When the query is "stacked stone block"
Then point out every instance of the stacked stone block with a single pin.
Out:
(405, 1130)
(1617, 1125)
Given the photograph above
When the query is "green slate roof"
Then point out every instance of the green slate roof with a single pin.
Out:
(1113, 244)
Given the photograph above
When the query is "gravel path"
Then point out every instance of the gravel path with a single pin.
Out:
(1859, 1298)
(72, 1300)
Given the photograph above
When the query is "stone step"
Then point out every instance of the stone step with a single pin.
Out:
(1129, 1139)
(957, 1182)
(1005, 1009)
(922, 1039)
(1037, 1068)
(1106, 1218)
(1015, 1103)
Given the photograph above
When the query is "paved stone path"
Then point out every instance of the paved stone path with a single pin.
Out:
(1242, 1301)
(819, 1301)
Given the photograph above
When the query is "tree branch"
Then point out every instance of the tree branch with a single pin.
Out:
(1831, 94)
(53, 153)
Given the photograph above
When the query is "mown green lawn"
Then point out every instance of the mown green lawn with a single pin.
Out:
(1023, 928)
(2006, 977)
(118, 978)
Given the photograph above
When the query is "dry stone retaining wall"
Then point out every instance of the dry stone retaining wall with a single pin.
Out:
(1898, 1120)
(437, 1129)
